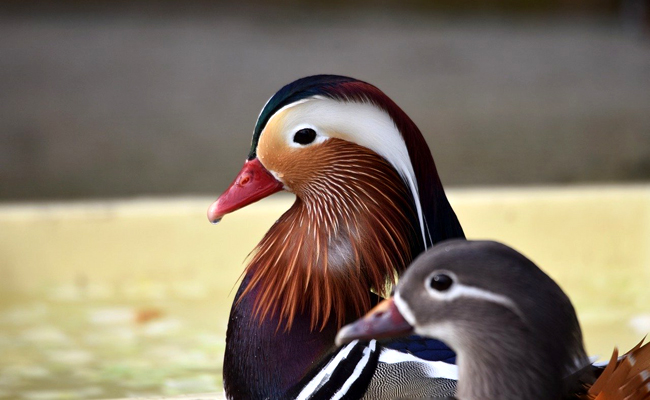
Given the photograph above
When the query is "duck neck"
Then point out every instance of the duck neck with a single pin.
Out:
(263, 360)
(314, 271)
(350, 230)
(506, 362)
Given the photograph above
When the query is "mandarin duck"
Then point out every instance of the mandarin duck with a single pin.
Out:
(515, 332)
(368, 200)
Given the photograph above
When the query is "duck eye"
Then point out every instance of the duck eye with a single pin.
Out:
(440, 282)
(304, 136)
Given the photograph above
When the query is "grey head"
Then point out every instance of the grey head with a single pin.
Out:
(514, 330)
(512, 326)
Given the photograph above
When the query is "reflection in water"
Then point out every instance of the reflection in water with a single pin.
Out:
(75, 346)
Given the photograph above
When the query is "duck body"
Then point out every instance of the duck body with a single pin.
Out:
(263, 362)
(514, 330)
(368, 200)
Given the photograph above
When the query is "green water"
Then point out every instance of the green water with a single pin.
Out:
(68, 345)
(100, 266)
(90, 349)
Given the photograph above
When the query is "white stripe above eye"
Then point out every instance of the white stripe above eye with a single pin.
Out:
(362, 123)
(458, 290)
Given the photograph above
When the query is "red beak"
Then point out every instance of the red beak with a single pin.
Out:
(253, 183)
(383, 321)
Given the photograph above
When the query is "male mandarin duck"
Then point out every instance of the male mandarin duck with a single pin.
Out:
(515, 331)
(368, 200)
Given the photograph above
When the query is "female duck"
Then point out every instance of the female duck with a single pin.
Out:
(515, 332)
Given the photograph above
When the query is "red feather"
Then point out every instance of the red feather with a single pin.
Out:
(352, 227)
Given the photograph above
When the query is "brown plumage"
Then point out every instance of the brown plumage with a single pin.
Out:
(355, 212)
(625, 379)
(368, 199)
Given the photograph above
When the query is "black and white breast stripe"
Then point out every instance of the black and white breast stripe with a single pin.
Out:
(367, 370)
(345, 376)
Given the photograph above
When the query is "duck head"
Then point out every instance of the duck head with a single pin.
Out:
(514, 330)
(368, 198)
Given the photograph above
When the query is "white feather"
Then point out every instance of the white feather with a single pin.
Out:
(326, 372)
(362, 123)
(434, 369)
(357, 370)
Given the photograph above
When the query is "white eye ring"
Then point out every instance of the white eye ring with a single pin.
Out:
(443, 287)
(304, 130)
(440, 282)
(304, 136)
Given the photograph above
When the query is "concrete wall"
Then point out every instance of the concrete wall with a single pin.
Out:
(97, 104)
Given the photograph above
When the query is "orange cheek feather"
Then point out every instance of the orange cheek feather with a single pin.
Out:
(291, 164)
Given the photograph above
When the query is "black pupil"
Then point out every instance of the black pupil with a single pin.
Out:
(441, 282)
(304, 136)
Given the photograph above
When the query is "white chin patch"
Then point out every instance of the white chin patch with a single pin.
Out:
(279, 178)
(442, 331)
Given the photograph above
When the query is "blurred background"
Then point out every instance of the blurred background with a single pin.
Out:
(138, 99)
(124, 98)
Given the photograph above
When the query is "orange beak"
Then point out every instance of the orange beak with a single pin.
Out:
(383, 321)
(253, 183)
